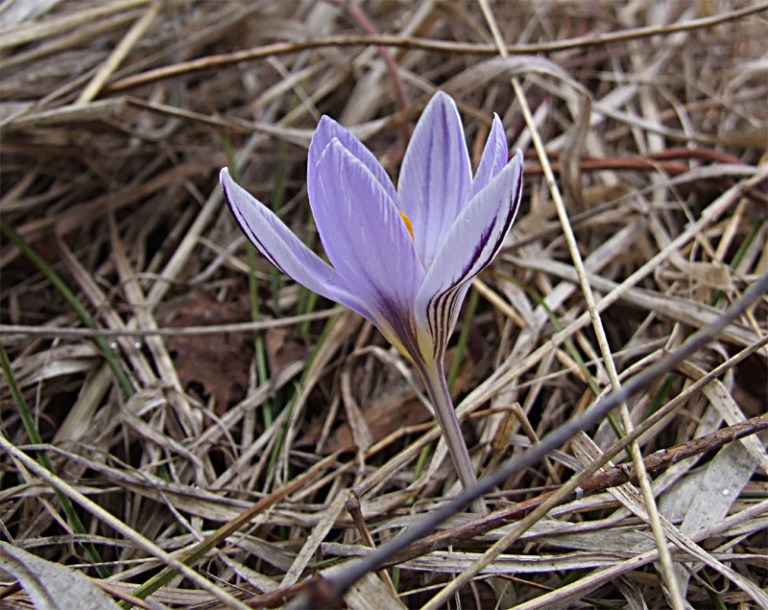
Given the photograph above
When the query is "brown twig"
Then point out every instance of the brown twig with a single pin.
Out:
(358, 15)
(441, 46)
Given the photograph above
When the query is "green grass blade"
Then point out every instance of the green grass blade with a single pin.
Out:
(29, 425)
(74, 303)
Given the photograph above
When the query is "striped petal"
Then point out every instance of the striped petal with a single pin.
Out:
(283, 249)
(495, 156)
(469, 246)
(327, 130)
(366, 240)
(436, 178)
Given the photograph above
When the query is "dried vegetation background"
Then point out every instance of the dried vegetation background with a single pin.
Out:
(164, 392)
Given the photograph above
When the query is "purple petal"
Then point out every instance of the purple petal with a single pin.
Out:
(495, 155)
(327, 130)
(366, 239)
(470, 245)
(435, 179)
(283, 249)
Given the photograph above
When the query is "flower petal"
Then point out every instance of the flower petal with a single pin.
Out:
(283, 249)
(327, 130)
(366, 240)
(470, 245)
(495, 156)
(435, 179)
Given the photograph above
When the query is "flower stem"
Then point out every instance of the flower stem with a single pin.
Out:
(433, 375)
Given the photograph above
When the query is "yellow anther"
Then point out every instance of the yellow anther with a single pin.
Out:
(408, 224)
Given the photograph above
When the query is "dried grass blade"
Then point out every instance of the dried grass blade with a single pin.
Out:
(74, 303)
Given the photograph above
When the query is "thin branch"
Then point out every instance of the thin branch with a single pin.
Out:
(213, 329)
(424, 44)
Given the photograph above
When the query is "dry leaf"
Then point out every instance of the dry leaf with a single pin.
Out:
(218, 364)
(709, 274)
(388, 412)
(51, 586)
(283, 349)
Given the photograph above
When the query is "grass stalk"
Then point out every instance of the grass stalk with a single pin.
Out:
(42, 458)
(111, 357)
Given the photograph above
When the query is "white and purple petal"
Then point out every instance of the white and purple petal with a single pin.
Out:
(436, 178)
(327, 130)
(494, 158)
(470, 245)
(366, 240)
(283, 249)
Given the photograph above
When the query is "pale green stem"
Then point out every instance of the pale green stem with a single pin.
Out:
(433, 375)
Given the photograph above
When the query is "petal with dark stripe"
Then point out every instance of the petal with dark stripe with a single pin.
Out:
(366, 239)
(327, 130)
(435, 179)
(469, 246)
(494, 156)
(283, 249)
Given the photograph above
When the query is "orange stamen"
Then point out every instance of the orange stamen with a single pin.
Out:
(408, 224)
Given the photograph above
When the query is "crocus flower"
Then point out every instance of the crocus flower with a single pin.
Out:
(402, 258)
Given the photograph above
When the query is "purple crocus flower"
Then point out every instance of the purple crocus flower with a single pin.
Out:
(403, 259)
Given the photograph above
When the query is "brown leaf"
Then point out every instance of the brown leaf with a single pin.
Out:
(215, 364)
(395, 408)
(283, 349)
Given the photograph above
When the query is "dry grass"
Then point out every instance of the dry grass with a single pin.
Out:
(174, 399)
